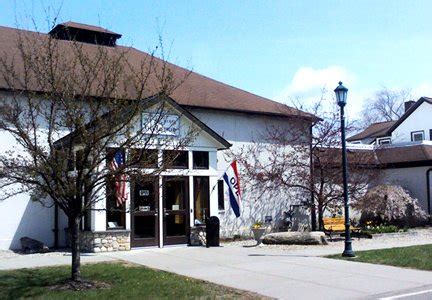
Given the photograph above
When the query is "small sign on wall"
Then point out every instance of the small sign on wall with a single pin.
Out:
(144, 193)
(144, 208)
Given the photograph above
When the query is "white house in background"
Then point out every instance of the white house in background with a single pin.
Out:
(403, 149)
(415, 125)
(227, 116)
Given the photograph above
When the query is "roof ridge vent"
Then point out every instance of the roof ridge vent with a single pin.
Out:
(73, 31)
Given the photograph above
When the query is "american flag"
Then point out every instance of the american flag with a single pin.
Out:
(120, 182)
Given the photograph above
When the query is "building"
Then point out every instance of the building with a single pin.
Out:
(228, 118)
(403, 149)
(413, 126)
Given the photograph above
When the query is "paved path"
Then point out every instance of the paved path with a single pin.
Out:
(17, 261)
(283, 274)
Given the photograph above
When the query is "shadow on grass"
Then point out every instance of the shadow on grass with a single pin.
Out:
(26, 283)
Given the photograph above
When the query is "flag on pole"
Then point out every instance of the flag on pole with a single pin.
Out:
(120, 181)
(232, 179)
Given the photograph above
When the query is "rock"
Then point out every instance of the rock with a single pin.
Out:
(29, 245)
(296, 238)
(115, 245)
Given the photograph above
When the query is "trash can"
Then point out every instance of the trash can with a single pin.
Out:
(212, 231)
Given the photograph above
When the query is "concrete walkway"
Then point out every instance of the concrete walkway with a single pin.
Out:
(9, 261)
(284, 275)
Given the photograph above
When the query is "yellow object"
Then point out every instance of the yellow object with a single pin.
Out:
(335, 224)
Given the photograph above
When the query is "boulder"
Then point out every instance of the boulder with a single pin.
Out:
(296, 238)
(29, 245)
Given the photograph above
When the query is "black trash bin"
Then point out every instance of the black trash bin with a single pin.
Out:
(212, 231)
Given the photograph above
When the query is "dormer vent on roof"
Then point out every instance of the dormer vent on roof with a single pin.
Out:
(84, 33)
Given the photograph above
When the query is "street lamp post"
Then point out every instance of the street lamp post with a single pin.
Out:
(341, 97)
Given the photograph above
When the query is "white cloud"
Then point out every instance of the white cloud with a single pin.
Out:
(308, 79)
(308, 83)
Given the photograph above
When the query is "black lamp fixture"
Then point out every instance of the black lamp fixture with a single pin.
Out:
(341, 94)
(341, 97)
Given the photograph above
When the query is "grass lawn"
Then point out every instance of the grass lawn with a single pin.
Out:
(127, 282)
(415, 257)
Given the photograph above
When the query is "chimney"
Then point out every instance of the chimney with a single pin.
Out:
(408, 104)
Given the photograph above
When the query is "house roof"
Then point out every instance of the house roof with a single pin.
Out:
(374, 130)
(409, 112)
(412, 153)
(332, 157)
(196, 91)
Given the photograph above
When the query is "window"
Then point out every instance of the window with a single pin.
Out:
(201, 199)
(384, 141)
(200, 159)
(430, 134)
(76, 159)
(417, 136)
(143, 158)
(221, 195)
(115, 214)
(176, 159)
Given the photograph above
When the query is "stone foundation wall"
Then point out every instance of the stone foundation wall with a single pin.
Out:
(105, 241)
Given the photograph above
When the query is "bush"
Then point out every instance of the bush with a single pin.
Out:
(390, 204)
(382, 229)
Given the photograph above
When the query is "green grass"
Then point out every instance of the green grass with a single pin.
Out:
(415, 257)
(127, 282)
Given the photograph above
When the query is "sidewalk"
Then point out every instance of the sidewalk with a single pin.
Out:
(10, 260)
(282, 274)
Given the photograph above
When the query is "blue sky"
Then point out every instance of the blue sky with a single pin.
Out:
(277, 49)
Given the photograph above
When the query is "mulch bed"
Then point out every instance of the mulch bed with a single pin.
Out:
(81, 285)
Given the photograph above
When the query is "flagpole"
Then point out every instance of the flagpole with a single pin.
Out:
(214, 186)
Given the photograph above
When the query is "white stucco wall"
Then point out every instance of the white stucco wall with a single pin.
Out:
(21, 216)
(412, 179)
(243, 129)
(420, 119)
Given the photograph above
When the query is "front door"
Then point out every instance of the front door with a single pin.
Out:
(144, 213)
(176, 210)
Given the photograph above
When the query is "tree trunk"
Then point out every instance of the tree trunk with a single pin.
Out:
(313, 217)
(320, 217)
(75, 243)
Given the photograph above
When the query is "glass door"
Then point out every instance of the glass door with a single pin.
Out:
(176, 210)
(144, 214)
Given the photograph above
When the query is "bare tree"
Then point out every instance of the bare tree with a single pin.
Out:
(307, 168)
(66, 105)
(385, 105)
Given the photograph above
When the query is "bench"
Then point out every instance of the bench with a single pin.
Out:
(337, 225)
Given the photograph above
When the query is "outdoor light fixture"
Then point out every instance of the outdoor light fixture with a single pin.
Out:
(341, 97)
(341, 94)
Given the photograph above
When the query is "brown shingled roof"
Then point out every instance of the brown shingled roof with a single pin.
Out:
(196, 91)
(373, 131)
(385, 155)
(404, 154)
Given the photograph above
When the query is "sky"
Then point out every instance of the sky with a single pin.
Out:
(281, 50)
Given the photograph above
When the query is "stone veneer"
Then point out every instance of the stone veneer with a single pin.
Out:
(105, 241)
